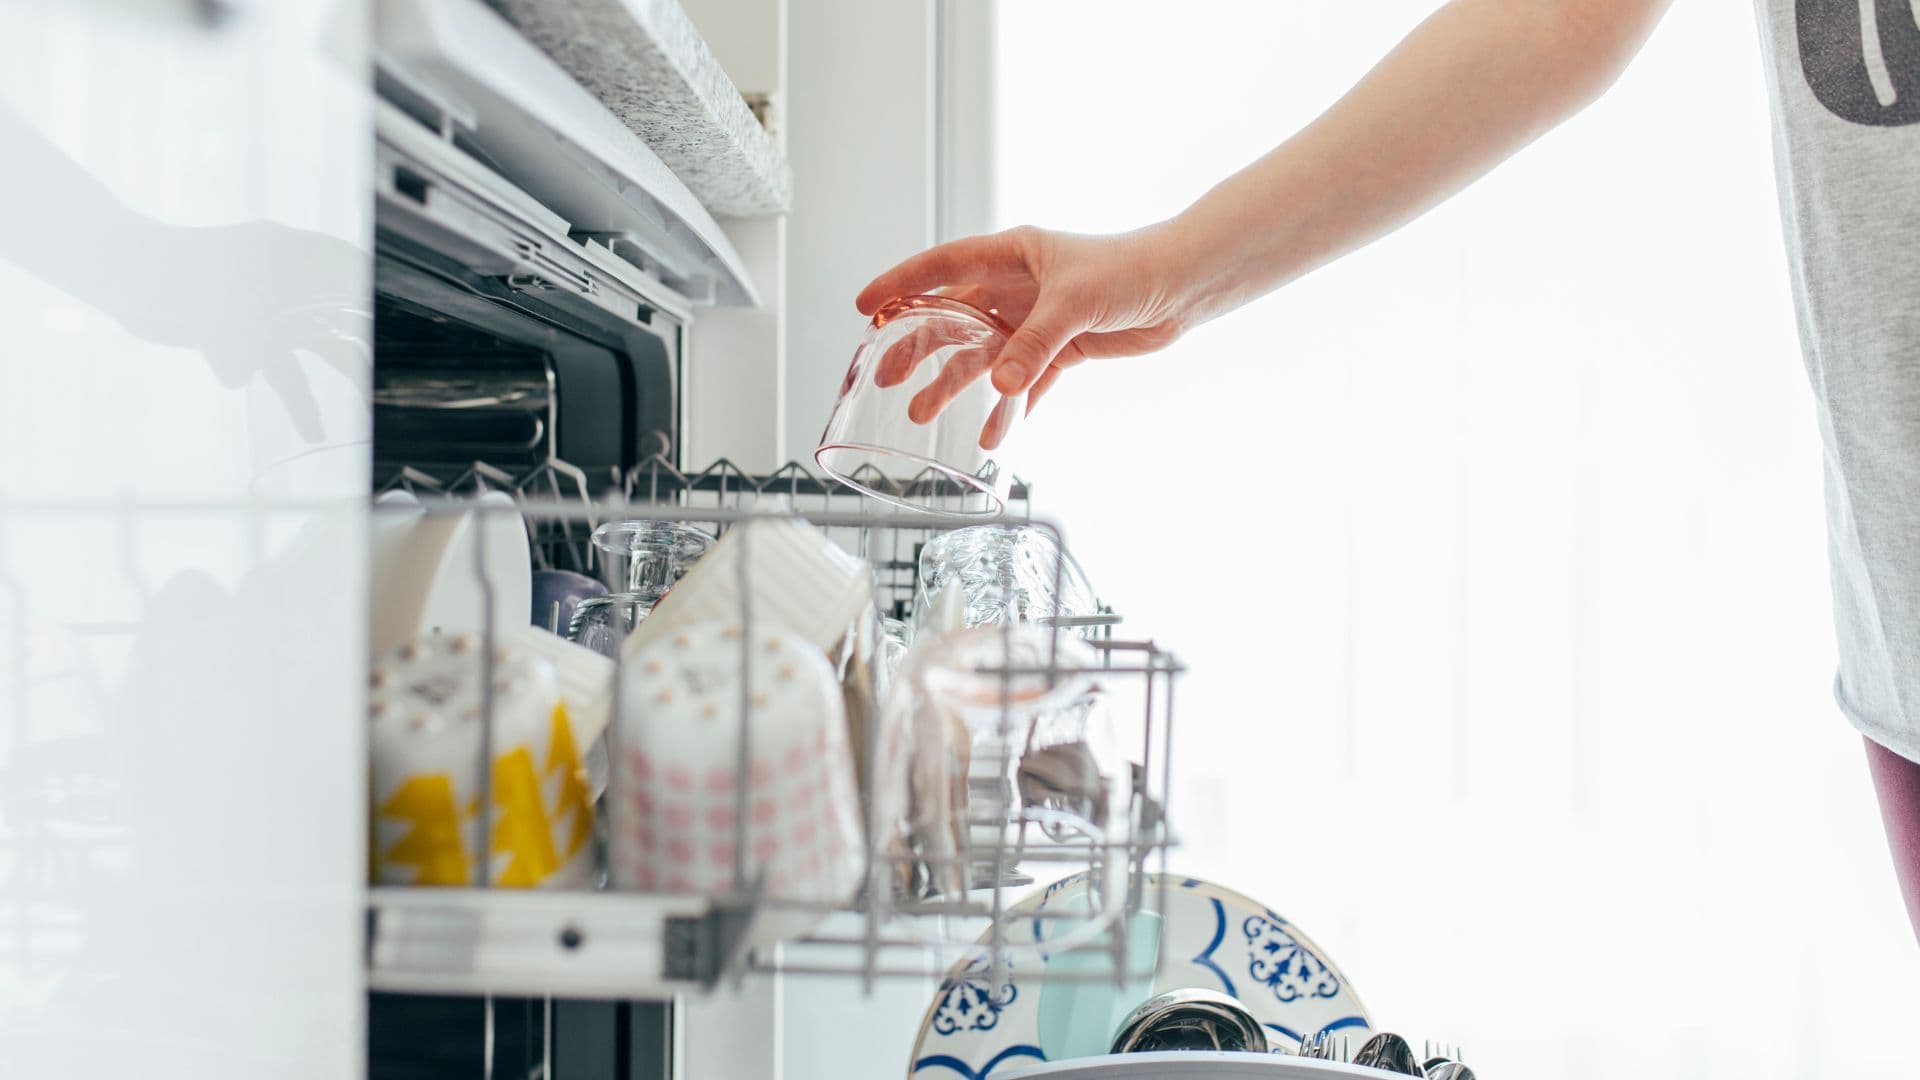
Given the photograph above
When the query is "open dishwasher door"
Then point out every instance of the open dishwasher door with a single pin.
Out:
(186, 268)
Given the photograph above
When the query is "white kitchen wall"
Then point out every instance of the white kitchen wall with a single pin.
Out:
(859, 117)
(1496, 552)
(736, 380)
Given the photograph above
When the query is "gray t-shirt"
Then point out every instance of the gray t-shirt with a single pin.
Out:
(1845, 81)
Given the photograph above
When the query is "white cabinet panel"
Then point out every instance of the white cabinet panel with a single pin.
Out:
(184, 265)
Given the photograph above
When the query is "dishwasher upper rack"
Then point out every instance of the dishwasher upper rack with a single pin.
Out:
(892, 546)
(656, 480)
(628, 944)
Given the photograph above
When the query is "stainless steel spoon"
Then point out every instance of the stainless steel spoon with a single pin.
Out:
(1190, 1019)
(1389, 1053)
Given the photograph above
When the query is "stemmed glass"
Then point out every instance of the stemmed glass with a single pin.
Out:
(657, 554)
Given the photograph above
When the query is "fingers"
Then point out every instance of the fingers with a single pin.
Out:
(999, 422)
(966, 294)
(898, 362)
(1045, 382)
(963, 367)
(1041, 337)
(955, 262)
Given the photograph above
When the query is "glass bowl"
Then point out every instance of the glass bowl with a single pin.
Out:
(889, 438)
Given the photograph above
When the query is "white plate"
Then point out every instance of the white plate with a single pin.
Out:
(1198, 1065)
(455, 602)
(425, 574)
(407, 546)
(1210, 937)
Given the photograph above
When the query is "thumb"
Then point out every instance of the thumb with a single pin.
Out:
(1031, 349)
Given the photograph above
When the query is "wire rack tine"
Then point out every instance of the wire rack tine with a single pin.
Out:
(649, 476)
(481, 477)
(548, 475)
(412, 481)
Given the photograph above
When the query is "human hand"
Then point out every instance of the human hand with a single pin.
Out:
(1067, 298)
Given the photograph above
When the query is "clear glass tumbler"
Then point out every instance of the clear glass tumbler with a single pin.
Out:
(919, 424)
(1008, 574)
(656, 554)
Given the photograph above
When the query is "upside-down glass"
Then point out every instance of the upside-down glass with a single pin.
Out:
(889, 435)
(656, 553)
(1008, 574)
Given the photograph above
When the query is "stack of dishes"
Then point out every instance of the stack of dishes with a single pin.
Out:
(1054, 994)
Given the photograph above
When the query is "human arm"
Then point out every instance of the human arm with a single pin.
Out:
(1474, 83)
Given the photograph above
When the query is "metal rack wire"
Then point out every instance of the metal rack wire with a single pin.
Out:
(892, 547)
(622, 943)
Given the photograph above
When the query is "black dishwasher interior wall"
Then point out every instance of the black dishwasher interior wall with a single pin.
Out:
(475, 368)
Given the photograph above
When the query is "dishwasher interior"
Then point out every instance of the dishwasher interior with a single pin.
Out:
(531, 369)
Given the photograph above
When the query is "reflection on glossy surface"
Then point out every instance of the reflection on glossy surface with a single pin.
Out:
(257, 299)
(188, 254)
(157, 748)
(184, 276)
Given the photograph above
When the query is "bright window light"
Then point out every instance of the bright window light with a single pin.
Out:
(1496, 552)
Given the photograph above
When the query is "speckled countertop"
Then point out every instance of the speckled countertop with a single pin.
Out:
(645, 60)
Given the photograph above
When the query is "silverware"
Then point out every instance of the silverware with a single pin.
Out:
(1191, 1019)
(1325, 1046)
(1388, 1053)
(1443, 1062)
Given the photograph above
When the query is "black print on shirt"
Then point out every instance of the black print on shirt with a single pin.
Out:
(1862, 58)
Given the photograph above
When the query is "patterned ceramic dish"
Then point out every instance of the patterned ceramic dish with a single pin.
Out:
(1191, 1065)
(1208, 936)
(678, 795)
(427, 740)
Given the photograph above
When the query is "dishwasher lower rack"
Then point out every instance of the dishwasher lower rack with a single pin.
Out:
(621, 943)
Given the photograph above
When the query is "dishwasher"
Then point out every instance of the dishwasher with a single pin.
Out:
(531, 333)
(222, 851)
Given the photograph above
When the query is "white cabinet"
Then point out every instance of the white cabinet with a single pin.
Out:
(184, 262)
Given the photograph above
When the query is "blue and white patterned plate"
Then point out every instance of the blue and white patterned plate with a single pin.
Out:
(1211, 937)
